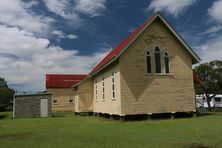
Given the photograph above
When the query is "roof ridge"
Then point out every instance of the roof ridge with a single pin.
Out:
(121, 45)
(67, 74)
(62, 81)
(115, 52)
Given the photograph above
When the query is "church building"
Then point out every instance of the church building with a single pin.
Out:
(147, 73)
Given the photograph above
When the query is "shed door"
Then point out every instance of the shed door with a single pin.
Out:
(44, 108)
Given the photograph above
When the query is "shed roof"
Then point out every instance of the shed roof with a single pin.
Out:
(63, 80)
(34, 94)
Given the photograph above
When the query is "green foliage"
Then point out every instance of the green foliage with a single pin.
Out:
(211, 76)
(6, 95)
(68, 131)
(3, 83)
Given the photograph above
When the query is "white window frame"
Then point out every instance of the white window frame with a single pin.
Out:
(103, 88)
(55, 102)
(96, 90)
(113, 85)
(71, 102)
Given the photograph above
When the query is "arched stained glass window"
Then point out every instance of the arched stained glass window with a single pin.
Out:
(166, 60)
(148, 62)
(157, 60)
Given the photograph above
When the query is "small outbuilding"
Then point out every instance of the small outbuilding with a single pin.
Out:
(32, 105)
(59, 85)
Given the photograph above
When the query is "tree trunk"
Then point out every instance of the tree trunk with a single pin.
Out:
(208, 103)
(209, 98)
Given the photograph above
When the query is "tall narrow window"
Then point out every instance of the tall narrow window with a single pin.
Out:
(148, 62)
(157, 60)
(113, 85)
(96, 91)
(103, 86)
(166, 60)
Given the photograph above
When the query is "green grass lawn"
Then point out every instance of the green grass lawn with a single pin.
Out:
(68, 130)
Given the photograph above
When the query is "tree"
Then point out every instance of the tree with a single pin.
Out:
(211, 76)
(6, 95)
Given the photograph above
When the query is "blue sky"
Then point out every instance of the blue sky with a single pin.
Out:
(71, 36)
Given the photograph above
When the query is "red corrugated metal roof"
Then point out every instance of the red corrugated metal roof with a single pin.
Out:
(62, 80)
(120, 47)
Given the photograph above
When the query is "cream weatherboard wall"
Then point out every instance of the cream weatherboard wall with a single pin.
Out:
(84, 96)
(108, 104)
(136, 91)
(62, 99)
(143, 93)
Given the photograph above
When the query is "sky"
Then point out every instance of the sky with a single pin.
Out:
(71, 36)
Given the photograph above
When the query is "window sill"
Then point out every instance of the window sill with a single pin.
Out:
(113, 99)
(159, 74)
(103, 100)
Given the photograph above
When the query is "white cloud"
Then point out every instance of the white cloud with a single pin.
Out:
(215, 11)
(61, 34)
(90, 7)
(213, 29)
(14, 13)
(25, 59)
(67, 10)
(211, 50)
(64, 9)
(57, 6)
(30, 4)
(72, 36)
(172, 7)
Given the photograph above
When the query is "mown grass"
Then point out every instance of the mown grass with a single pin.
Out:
(66, 130)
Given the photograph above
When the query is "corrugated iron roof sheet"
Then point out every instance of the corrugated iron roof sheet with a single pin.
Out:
(119, 47)
(62, 80)
(117, 50)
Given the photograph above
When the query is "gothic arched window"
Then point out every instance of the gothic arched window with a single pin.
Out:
(166, 61)
(157, 60)
(148, 62)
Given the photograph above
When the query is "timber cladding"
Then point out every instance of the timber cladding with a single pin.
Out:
(108, 104)
(143, 93)
(84, 97)
(138, 90)
(62, 99)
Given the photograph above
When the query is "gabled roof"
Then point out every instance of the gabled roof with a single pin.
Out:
(118, 50)
(36, 94)
(119, 47)
(62, 81)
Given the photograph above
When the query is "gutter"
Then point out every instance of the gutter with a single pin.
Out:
(193, 54)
